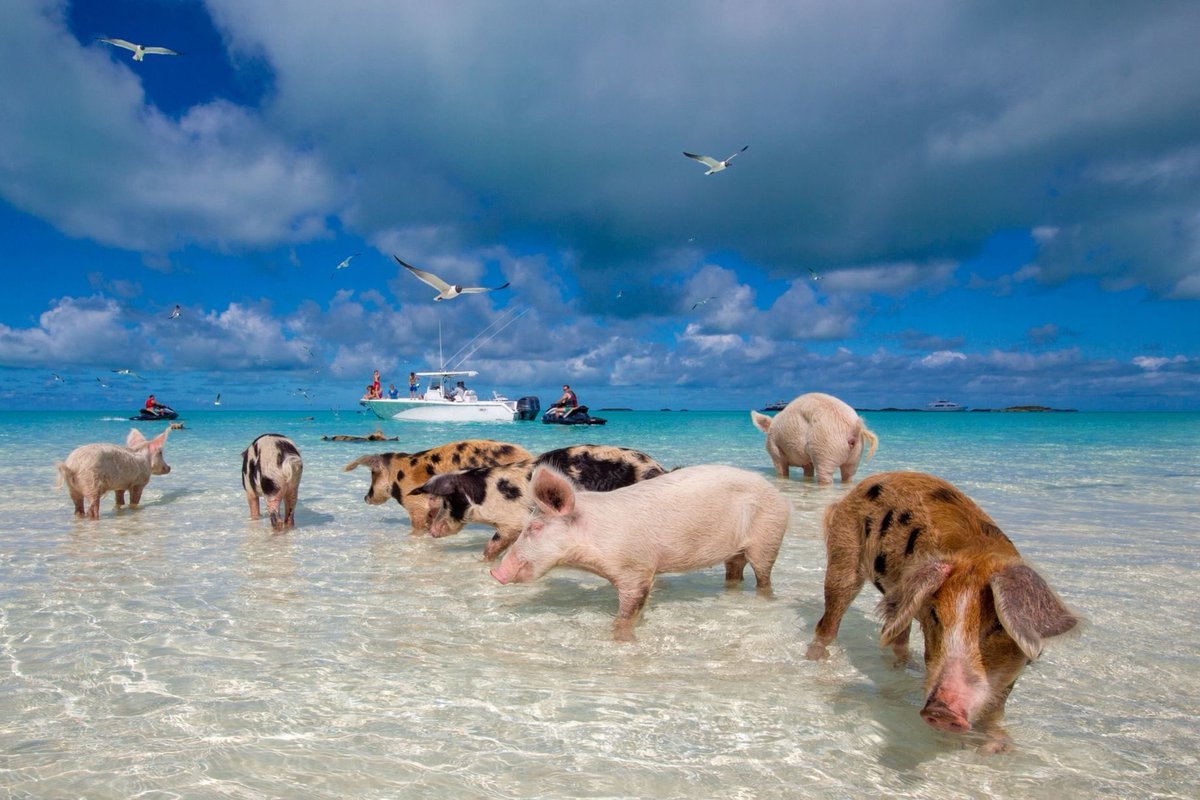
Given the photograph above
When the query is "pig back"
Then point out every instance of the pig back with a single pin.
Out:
(687, 519)
(102, 467)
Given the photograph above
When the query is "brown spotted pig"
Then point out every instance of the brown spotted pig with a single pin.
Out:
(395, 475)
(499, 496)
(688, 519)
(93, 470)
(938, 559)
(272, 468)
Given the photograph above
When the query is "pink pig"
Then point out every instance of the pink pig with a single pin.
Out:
(818, 433)
(685, 520)
(92, 470)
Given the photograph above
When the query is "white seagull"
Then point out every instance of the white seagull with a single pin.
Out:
(346, 262)
(813, 273)
(712, 164)
(445, 290)
(58, 377)
(702, 302)
(128, 372)
(217, 402)
(175, 314)
(140, 50)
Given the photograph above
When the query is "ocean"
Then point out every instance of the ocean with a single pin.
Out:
(181, 650)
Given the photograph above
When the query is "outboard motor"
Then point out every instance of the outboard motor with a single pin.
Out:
(528, 408)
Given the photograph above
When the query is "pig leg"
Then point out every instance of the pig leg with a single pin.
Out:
(848, 470)
(824, 473)
(501, 541)
(842, 584)
(93, 508)
(899, 647)
(135, 495)
(808, 470)
(782, 468)
(631, 598)
(418, 512)
(735, 570)
(77, 499)
(252, 499)
(120, 497)
(273, 511)
(290, 518)
(762, 559)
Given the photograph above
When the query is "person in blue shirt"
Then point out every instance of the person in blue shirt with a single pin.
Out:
(393, 392)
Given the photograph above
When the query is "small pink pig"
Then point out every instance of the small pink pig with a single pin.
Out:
(93, 470)
(685, 520)
(938, 559)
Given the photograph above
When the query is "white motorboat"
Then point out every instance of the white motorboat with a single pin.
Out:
(944, 405)
(445, 399)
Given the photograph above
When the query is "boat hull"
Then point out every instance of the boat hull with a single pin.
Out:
(442, 410)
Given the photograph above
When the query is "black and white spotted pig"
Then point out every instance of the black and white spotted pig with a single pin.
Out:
(271, 468)
(500, 497)
(938, 559)
(395, 475)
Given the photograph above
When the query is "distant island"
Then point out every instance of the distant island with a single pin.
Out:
(983, 410)
(616, 409)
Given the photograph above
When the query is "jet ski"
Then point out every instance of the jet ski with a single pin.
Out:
(154, 414)
(574, 416)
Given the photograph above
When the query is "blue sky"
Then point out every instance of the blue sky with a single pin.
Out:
(1001, 203)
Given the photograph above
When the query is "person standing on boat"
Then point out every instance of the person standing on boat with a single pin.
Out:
(376, 388)
(413, 385)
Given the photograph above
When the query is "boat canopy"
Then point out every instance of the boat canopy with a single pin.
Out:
(448, 373)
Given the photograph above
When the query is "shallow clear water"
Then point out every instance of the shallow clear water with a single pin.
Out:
(181, 650)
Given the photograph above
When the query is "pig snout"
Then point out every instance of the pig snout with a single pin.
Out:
(944, 718)
(511, 570)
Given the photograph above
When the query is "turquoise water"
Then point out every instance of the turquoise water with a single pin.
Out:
(181, 650)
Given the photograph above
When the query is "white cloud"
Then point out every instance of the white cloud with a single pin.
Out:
(942, 358)
(1152, 363)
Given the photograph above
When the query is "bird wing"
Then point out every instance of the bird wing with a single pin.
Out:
(709, 162)
(162, 51)
(119, 43)
(735, 155)
(427, 277)
(478, 289)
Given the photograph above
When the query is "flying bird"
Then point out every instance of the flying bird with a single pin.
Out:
(712, 164)
(58, 377)
(103, 385)
(217, 402)
(175, 314)
(699, 303)
(346, 261)
(128, 372)
(445, 290)
(813, 274)
(140, 50)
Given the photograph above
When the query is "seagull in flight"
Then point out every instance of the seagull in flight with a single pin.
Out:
(103, 385)
(217, 402)
(712, 164)
(128, 372)
(140, 50)
(175, 314)
(813, 274)
(445, 290)
(702, 302)
(58, 377)
(345, 263)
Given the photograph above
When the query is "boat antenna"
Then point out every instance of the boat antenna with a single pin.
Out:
(441, 361)
(493, 335)
(493, 323)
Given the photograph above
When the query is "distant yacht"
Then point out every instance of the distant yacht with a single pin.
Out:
(778, 405)
(944, 405)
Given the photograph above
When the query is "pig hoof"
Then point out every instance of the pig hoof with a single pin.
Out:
(817, 652)
(995, 745)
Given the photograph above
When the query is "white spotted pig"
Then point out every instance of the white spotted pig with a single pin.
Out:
(499, 496)
(93, 470)
(938, 559)
(395, 475)
(818, 433)
(271, 468)
(687, 519)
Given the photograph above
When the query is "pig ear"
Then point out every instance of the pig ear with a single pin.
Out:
(553, 492)
(134, 438)
(158, 442)
(371, 462)
(761, 421)
(438, 486)
(1029, 609)
(899, 606)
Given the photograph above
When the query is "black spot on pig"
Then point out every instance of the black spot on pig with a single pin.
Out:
(507, 489)
(944, 494)
(435, 458)
(268, 485)
(885, 523)
(912, 540)
(286, 449)
(397, 492)
(881, 565)
(904, 518)
(873, 491)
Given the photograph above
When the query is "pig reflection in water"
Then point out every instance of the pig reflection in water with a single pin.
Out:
(939, 559)
(689, 519)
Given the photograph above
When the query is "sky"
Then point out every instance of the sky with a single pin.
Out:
(992, 203)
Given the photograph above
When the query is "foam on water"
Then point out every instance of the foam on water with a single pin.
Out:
(181, 650)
